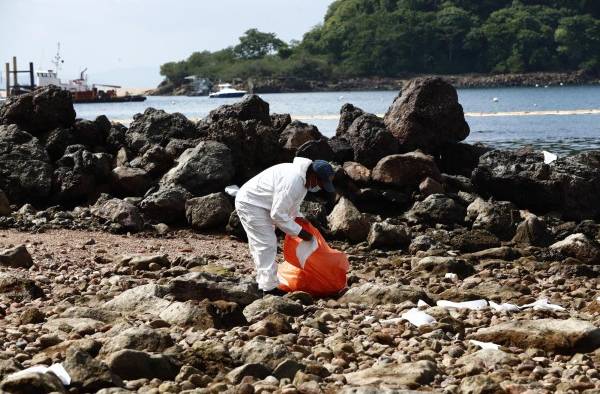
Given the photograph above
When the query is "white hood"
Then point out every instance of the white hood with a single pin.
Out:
(302, 164)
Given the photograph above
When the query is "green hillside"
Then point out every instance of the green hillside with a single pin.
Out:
(388, 38)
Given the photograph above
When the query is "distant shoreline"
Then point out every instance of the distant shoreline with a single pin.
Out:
(296, 85)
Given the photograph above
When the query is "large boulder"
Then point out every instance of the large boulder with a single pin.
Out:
(134, 364)
(166, 205)
(208, 212)
(17, 257)
(155, 161)
(427, 115)
(207, 168)
(316, 150)
(532, 231)
(42, 110)
(389, 235)
(156, 126)
(130, 182)
(32, 382)
(18, 288)
(348, 222)
(25, 171)
(119, 212)
(461, 158)
(348, 114)
(370, 140)
(553, 335)
(406, 170)
(437, 208)
(498, 217)
(580, 247)
(296, 134)
(252, 107)
(569, 185)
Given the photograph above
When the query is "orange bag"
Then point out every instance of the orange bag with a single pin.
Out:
(324, 272)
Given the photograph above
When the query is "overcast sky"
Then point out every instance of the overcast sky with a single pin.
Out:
(125, 41)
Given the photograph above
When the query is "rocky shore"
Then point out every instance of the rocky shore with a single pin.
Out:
(123, 262)
(294, 85)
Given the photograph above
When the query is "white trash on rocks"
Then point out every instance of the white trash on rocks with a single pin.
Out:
(451, 276)
(505, 307)
(232, 190)
(418, 318)
(56, 369)
(549, 157)
(472, 305)
(543, 305)
(422, 304)
(485, 345)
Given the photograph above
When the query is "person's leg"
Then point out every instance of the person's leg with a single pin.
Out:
(262, 243)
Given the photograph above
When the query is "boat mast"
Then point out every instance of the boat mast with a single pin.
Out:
(57, 60)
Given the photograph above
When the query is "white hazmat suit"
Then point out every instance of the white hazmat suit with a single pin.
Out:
(272, 198)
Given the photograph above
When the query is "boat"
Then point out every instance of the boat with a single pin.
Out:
(227, 91)
(80, 89)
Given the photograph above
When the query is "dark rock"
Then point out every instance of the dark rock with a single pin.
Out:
(348, 114)
(25, 171)
(382, 201)
(252, 107)
(176, 147)
(208, 212)
(89, 133)
(427, 115)
(18, 289)
(5, 209)
(120, 212)
(390, 235)
(460, 159)
(42, 110)
(357, 172)
(32, 383)
(296, 134)
(234, 226)
(155, 161)
(315, 213)
(17, 257)
(115, 138)
(370, 140)
(568, 185)
(280, 121)
(316, 150)
(342, 150)
(156, 126)
(133, 364)
(474, 241)
(439, 266)
(198, 286)
(130, 182)
(166, 205)
(580, 247)
(430, 186)
(498, 217)
(406, 170)
(532, 231)
(57, 140)
(437, 208)
(207, 168)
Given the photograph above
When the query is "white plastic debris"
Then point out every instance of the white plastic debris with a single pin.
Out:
(485, 345)
(549, 157)
(232, 190)
(305, 249)
(451, 276)
(505, 307)
(543, 305)
(56, 369)
(473, 305)
(422, 303)
(417, 317)
(394, 320)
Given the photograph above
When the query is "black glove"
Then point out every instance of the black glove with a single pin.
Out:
(305, 235)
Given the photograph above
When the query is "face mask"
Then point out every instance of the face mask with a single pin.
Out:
(314, 189)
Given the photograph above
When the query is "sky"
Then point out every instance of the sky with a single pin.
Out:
(124, 42)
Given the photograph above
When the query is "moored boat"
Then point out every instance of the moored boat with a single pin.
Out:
(227, 91)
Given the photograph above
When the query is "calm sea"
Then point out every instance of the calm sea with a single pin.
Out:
(558, 119)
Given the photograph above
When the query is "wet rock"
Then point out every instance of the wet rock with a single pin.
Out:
(18, 288)
(498, 217)
(427, 115)
(439, 266)
(568, 185)
(437, 208)
(370, 140)
(120, 212)
(32, 383)
(348, 114)
(580, 247)
(204, 169)
(130, 182)
(372, 294)
(532, 231)
(166, 205)
(271, 304)
(258, 371)
(156, 126)
(316, 150)
(25, 171)
(42, 110)
(346, 221)
(252, 107)
(208, 212)
(133, 364)
(395, 375)
(386, 234)
(296, 134)
(406, 170)
(87, 373)
(17, 257)
(562, 336)
(357, 172)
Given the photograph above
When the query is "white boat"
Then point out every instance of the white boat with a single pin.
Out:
(226, 91)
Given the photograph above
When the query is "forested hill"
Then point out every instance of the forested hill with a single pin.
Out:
(388, 38)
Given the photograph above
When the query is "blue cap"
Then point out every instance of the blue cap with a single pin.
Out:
(325, 174)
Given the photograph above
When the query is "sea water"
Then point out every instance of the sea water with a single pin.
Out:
(500, 117)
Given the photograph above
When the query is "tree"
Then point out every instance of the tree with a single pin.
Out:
(454, 24)
(578, 39)
(255, 45)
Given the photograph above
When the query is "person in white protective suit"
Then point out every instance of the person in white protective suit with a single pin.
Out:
(272, 199)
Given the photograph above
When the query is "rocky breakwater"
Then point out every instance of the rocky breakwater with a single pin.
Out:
(472, 270)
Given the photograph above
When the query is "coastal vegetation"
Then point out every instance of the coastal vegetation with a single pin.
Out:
(392, 38)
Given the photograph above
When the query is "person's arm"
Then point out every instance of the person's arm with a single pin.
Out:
(285, 200)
